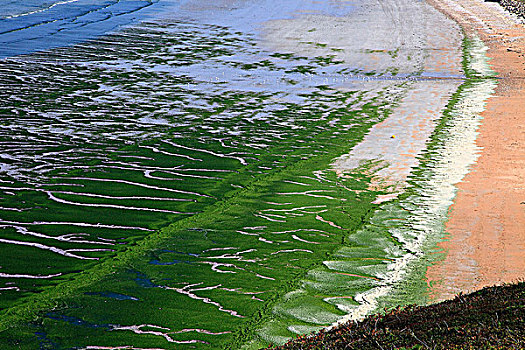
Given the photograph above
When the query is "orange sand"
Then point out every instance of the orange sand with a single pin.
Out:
(486, 229)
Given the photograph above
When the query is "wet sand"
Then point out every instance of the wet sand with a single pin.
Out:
(398, 141)
(385, 37)
(404, 46)
(404, 38)
(485, 240)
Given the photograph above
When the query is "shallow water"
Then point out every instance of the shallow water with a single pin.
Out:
(190, 118)
(28, 26)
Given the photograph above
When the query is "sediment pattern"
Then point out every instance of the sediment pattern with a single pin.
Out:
(172, 184)
(484, 241)
(104, 144)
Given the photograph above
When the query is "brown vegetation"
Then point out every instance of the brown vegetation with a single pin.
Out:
(492, 318)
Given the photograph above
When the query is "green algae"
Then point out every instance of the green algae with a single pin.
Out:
(222, 258)
(235, 208)
(492, 318)
(168, 285)
(422, 210)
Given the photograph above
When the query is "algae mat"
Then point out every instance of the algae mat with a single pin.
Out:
(172, 185)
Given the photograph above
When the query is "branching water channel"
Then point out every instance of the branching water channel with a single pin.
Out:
(169, 186)
(105, 143)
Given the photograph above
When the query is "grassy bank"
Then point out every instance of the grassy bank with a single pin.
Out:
(514, 6)
(492, 318)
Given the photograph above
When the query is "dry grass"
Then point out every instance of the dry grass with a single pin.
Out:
(492, 318)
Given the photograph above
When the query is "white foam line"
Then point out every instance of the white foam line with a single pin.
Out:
(139, 167)
(310, 178)
(136, 157)
(125, 347)
(215, 249)
(63, 252)
(100, 195)
(267, 218)
(72, 237)
(220, 155)
(7, 275)
(303, 240)
(122, 198)
(265, 277)
(139, 185)
(17, 188)
(320, 218)
(137, 330)
(207, 170)
(247, 233)
(273, 203)
(319, 175)
(307, 193)
(296, 183)
(235, 256)
(16, 289)
(41, 10)
(103, 239)
(215, 265)
(292, 251)
(294, 209)
(436, 193)
(301, 229)
(13, 209)
(114, 206)
(198, 330)
(189, 292)
(59, 184)
(81, 224)
(147, 173)
(88, 250)
(156, 150)
(237, 290)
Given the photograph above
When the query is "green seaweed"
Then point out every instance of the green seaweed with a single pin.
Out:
(286, 148)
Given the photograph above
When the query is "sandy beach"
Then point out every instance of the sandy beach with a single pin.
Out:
(231, 174)
(485, 236)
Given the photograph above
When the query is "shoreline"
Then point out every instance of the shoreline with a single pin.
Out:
(483, 241)
(309, 246)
